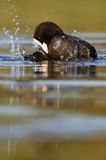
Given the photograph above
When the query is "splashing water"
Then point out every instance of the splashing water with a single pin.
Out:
(13, 37)
(14, 46)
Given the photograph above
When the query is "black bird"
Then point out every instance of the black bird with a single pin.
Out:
(54, 44)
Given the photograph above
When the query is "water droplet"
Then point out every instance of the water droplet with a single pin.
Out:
(16, 16)
(75, 30)
(17, 24)
(4, 28)
(13, 20)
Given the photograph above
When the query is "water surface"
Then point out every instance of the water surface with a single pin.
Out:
(52, 109)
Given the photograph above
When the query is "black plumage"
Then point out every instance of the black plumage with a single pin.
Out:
(61, 46)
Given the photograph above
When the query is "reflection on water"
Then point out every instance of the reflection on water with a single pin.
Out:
(59, 70)
(52, 109)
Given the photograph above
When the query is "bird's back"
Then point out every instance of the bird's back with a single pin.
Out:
(69, 47)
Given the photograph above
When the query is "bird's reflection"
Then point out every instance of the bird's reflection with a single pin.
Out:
(46, 95)
(59, 70)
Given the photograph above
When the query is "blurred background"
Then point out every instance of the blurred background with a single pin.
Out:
(71, 15)
(25, 105)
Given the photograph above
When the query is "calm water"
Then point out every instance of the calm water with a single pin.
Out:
(52, 110)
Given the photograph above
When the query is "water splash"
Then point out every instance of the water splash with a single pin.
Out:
(14, 46)
(13, 37)
(27, 28)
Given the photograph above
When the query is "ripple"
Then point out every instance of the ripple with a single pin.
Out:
(14, 111)
(49, 128)
(55, 83)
